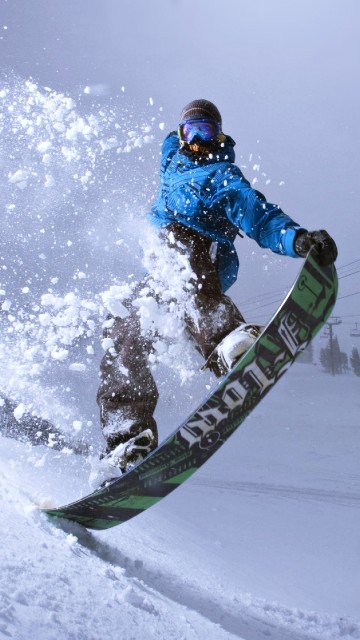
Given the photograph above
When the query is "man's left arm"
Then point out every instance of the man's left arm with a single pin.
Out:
(273, 229)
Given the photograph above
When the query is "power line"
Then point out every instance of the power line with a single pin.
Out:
(252, 301)
(255, 309)
(284, 291)
(355, 315)
(348, 264)
(273, 302)
(267, 304)
(264, 296)
(253, 305)
(349, 274)
(356, 293)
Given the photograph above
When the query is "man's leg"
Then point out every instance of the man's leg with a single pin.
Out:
(212, 318)
(127, 395)
(211, 315)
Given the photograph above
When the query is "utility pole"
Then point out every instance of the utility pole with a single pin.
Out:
(330, 323)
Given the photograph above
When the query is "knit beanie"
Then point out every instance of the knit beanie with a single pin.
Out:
(200, 110)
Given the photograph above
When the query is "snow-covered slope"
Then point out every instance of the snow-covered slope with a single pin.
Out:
(261, 542)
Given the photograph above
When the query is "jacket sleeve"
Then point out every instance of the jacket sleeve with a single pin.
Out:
(169, 147)
(250, 212)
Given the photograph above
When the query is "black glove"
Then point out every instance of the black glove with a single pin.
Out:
(324, 243)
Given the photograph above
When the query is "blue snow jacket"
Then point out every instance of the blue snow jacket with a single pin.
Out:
(214, 198)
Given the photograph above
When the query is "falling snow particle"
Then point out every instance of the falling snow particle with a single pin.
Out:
(77, 366)
(19, 412)
(6, 305)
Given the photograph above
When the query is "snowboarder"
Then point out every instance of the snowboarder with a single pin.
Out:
(204, 201)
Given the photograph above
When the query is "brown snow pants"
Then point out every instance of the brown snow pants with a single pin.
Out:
(127, 394)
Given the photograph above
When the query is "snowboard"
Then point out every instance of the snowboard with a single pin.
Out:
(298, 319)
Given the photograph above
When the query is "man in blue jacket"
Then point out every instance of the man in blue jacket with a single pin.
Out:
(204, 202)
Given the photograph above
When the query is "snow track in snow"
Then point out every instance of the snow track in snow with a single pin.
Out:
(305, 494)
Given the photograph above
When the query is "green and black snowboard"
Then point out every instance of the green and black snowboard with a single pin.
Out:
(297, 321)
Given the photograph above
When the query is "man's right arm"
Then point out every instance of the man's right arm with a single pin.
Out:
(169, 147)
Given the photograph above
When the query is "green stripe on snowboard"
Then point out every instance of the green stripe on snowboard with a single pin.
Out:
(181, 477)
(134, 502)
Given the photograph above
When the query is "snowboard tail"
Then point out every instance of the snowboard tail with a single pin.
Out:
(299, 318)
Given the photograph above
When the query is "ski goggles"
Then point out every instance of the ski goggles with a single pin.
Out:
(205, 130)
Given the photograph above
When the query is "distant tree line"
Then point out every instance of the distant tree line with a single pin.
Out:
(333, 360)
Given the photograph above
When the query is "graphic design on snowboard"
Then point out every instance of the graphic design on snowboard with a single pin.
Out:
(299, 318)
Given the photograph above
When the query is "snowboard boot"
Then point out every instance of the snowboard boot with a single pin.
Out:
(131, 453)
(232, 347)
(121, 459)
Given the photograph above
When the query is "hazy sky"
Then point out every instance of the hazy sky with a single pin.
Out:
(285, 76)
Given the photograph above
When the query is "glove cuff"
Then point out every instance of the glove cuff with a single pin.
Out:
(301, 243)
